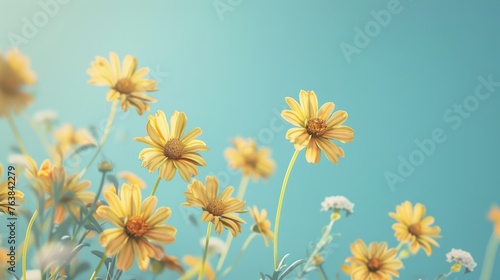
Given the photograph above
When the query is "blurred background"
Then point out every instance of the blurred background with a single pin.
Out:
(401, 69)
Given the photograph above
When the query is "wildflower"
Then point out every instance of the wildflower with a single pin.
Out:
(125, 82)
(105, 166)
(316, 127)
(15, 73)
(462, 258)
(54, 254)
(262, 224)
(168, 149)
(67, 138)
(494, 216)
(136, 227)
(251, 160)
(4, 259)
(18, 160)
(216, 209)
(5, 206)
(337, 203)
(132, 179)
(45, 116)
(215, 245)
(415, 228)
(195, 264)
(166, 261)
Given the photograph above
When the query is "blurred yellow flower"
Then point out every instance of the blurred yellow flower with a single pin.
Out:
(415, 228)
(5, 193)
(125, 82)
(168, 149)
(136, 226)
(4, 259)
(195, 264)
(132, 179)
(15, 72)
(316, 127)
(262, 224)
(68, 139)
(251, 160)
(494, 216)
(216, 209)
(375, 262)
(166, 261)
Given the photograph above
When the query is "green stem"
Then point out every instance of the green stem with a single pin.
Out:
(156, 185)
(489, 258)
(96, 271)
(322, 273)
(26, 242)
(207, 239)
(245, 245)
(280, 204)
(321, 244)
(40, 135)
(243, 187)
(103, 139)
(16, 134)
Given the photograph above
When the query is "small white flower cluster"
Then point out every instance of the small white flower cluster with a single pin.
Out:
(462, 257)
(45, 116)
(338, 202)
(215, 245)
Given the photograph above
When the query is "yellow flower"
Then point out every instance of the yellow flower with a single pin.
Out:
(216, 209)
(136, 226)
(252, 161)
(373, 263)
(126, 82)
(415, 228)
(132, 179)
(195, 264)
(494, 216)
(5, 194)
(4, 259)
(316, 127)
(68, 139)
(169, 150)
(262, 224)
(15, 72)
(169, 262)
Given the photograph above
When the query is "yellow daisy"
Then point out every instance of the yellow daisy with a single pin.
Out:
(169, 150)
(375, 262)
(415, 228)
(125, 82)
(6, 197)
(251, 160)
(68, 139)
(216, 209)
(136, 227)
(195, 264)
(262, 224)
(15, 72)
(316, 127)
(132, 179)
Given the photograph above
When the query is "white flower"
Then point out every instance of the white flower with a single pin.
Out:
(33, 274)
(215, 245)
(337, 203)
(45, 116)
(462, 257)
(53, 254)
(18, 160)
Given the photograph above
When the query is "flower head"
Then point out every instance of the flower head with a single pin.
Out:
(6, 189)
(461, 257)
(132, 179)
(125, 82)
(215, 245)
(15, 72)
(169, 149)
(415, 228)
(494, 216)
(375, 262)
(338, 202)
(216, 209)
(166, 261)
(195, 264)
(262, 224)
(67, 138)
(136, 227)
(316, 127)
(251, 160)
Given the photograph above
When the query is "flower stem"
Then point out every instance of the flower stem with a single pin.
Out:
(241, 193)
(280, 204)
(245, 245)
(16, 134)
(489, 258)
(26, 242)
(321, 244)
(96, 271)
(103, 139)
(322, 273)
(207, 238)
(156, 185)
(40, 135)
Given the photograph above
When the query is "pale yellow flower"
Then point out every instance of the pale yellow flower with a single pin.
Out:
(68, 139)
(316, 127)
(195, 264)
(166, 261)
(217, 210)
(375, 262)
(132, 179)
(415, 228)
(169, 149)
(7, 188)
(494, 216)
(136, 227)
(15, 72)
(262, 224)
(251, 160)
(125, 82)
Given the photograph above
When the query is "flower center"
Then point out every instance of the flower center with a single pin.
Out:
(125, 86)
(415, 229)
(136, 227)
(374, 265)
(216, 207)
(10, 83)
(316, 127)
(173, 149)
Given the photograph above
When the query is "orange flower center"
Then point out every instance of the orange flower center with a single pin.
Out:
(316, 127)
(125, 86)
(174, 148)
(216, 207)
(136, 227)
(374, 265)
(415, 229)
(10, 83)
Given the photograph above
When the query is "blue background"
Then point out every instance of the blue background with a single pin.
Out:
(230, 73)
